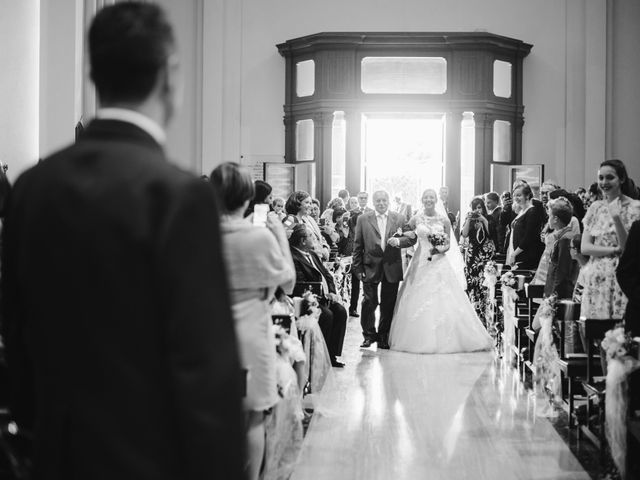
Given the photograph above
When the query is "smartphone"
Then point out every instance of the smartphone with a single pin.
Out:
(260, 211)
(322, 222)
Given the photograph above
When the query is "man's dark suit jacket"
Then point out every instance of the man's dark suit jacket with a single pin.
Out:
(307, 272)
(368, 256)
(628, 275)
(496, 229)
(526, 235)
(117, 320)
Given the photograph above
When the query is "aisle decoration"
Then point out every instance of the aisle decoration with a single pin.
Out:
(622, 359)
(284, 431)
(489, 282)
(315, 348)
(545, 359)
(509, 297)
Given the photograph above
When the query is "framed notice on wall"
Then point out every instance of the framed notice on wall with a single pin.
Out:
(281, 177)
(532, 174)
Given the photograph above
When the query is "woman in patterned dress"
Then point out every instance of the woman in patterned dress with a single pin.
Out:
(606, 226)
(480, 249)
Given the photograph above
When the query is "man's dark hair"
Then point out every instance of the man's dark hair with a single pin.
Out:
(493, 196)
(344, 194)
(298, 232)
(129, 45)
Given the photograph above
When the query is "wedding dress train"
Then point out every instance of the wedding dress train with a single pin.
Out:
(433, 313)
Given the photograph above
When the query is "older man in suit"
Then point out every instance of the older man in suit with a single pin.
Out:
(117, 321)
(309, 268)
(377, 261)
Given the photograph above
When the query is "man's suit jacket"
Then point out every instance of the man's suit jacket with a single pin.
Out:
(628, 275)
(117, 322)
(307, 271)
(497, 229)
(368, 256)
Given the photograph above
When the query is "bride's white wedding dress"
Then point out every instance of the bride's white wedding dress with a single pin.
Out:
(433, 313)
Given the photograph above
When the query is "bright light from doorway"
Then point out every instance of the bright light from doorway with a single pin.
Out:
(403, 155)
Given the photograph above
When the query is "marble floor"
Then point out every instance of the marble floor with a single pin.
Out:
(394, 415)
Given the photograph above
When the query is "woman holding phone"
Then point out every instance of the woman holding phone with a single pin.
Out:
(258, 261)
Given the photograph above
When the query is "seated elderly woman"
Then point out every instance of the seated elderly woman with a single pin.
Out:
(258, 262)
(309, 268)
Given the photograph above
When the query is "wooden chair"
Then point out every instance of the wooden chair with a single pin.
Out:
(532, 293)
(594, 330)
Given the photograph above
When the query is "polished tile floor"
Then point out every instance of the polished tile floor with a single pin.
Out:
(394, 415)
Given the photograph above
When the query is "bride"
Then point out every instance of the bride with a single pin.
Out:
(433, 313)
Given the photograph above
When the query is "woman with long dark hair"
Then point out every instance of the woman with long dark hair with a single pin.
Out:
(480, 248)
(606, 226)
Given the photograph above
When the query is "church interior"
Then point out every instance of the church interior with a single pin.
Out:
(401, 96)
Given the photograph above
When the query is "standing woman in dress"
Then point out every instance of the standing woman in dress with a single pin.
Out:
(525, 247)
(480, 249)
(258, 261)
(606, 226)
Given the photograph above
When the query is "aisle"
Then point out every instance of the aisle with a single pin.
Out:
(403, 416)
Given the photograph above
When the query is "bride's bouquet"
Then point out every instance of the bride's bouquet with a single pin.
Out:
(437, 239)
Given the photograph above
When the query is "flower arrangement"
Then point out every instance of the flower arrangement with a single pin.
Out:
(490, 269)
(309, 311)
(619, 344)
(437, 239)
(508, 280)
(548, 306)
(287, 346)
(622, 360)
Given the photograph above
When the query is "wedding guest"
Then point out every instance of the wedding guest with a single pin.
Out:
(550, 236)
(480, 249)
(277, 204)
(563, 269)
(352, 204)
(401, 207)
(363, 199)
(582, 260)
(298, 209)
(606, 227)
(314, 209)
(262, 195)
(258, 262)
(576, 204)
(497, 231)
(628, 276)
(443, 194)
(117, 321)
(309, 268)
(344, 195)
(525, 247)
(581, 192)
(345, 237)
(327, 215)
(545, 189)
(593, 194)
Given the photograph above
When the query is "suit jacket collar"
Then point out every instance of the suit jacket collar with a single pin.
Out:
(117, 130)
(373, 219)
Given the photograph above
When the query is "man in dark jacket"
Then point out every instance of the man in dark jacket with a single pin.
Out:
(309, 268)
(117, 322)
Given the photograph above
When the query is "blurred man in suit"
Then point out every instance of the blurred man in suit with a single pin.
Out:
(400, 207)
(496, 229)
(363, 199)
(377, 261)
(118, 329)
(309, 268)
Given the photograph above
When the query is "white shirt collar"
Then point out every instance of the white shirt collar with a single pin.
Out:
(136, 118)
(384, 215)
